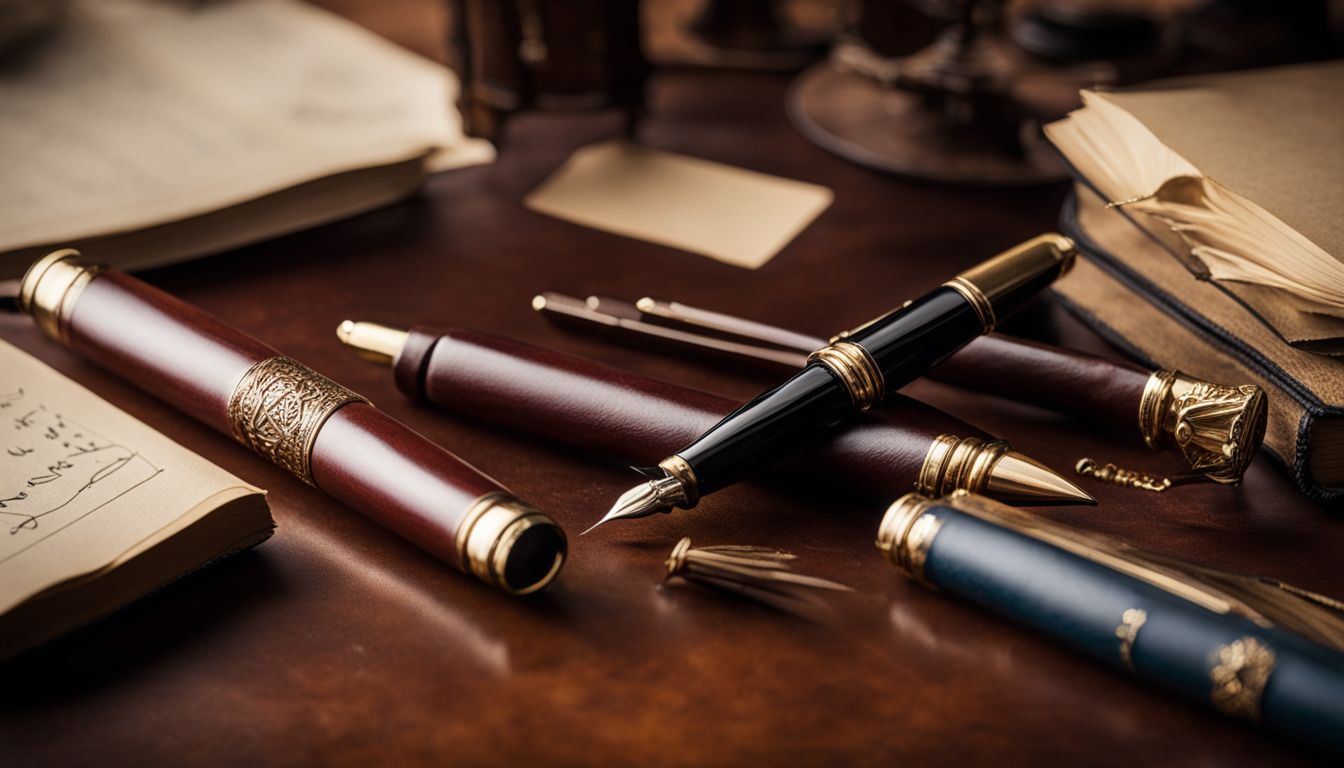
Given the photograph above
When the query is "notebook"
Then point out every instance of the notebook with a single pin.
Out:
(98, 509)
(145, 132)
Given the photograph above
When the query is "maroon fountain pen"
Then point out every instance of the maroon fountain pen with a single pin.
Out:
(327, 435)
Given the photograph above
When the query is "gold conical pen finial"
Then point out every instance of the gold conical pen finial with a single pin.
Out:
(371, 341)
(993, 468)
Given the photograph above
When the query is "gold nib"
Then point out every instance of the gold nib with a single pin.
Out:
(1019, 479)
(371, 341)
(645, 499)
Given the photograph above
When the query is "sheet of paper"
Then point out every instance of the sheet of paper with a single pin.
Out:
(737, 216)
(82, 482)
(136, 112)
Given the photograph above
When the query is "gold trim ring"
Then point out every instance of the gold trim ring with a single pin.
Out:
(680, 470)
(856, 369)
(984, 309)
(1153, 406)
(954, 463)
(487, 544)
(50, 288)
(279, 406)
(907, 532)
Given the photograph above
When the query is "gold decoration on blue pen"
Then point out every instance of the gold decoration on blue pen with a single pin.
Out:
(1240, 672)
(1131, 621)
(907, 533)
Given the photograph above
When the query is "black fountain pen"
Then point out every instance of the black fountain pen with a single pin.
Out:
(849, 375)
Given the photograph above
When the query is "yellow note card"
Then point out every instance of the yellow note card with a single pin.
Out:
(733, 215)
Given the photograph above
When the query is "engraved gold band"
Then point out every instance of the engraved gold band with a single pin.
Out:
(681, 471)
(485, 542)
(954, 463)
(907, 532)
(1131, 621)
(1239, 676)
(976, 298)
(278, 408)
(857, 371)
(50, 289)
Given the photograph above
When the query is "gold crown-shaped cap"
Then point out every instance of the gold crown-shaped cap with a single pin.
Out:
(1217, 427)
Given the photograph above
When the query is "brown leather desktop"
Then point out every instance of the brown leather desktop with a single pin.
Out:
(339, 643)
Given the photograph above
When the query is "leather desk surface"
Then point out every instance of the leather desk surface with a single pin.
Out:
(338, 643)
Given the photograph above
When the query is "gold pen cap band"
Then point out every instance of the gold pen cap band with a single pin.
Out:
(507, 543)
(1218, 428)
(907, 532)
(994, 469)
(998, 287)
(50, 288)
(371, 341)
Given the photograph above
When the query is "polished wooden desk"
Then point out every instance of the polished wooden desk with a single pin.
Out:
(338, 643)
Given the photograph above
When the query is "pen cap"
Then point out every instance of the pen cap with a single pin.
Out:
(1000, 286)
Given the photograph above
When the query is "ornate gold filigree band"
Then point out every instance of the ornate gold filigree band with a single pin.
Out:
(857, 371)
(954, 463)
(1218, 428)
(278, 408)
(984, 309)
(907, 532)
(1239, 675)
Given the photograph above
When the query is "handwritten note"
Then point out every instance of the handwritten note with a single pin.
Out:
(83, 485)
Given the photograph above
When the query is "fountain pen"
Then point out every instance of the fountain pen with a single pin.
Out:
(848, 376)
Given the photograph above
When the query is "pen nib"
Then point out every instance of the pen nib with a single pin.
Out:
(645, 499)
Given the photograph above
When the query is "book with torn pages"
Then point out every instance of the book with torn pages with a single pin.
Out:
(149, 132)
(96, 508)
(1240, 176)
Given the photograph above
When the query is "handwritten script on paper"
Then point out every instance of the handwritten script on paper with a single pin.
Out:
(56, 471)
(85, 485)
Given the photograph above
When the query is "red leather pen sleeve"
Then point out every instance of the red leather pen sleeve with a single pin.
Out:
(635, 419)
(189, 357)
(1061, 380)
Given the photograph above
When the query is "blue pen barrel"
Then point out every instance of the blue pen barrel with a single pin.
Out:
(1138, 615)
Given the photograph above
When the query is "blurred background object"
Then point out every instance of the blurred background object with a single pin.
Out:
(21, 19)
(553, 55)
(779, 35)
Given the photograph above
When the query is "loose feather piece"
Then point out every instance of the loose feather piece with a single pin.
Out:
(757, 573)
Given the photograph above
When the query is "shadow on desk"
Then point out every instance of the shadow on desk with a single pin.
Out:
(151, 631)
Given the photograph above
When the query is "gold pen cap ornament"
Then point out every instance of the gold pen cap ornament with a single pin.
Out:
(1218, 428)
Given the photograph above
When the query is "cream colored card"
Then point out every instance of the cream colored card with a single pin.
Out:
(737, 216)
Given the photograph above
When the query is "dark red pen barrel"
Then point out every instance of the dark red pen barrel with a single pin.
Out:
(1057, 379)
(320, 431)
(618, 414)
